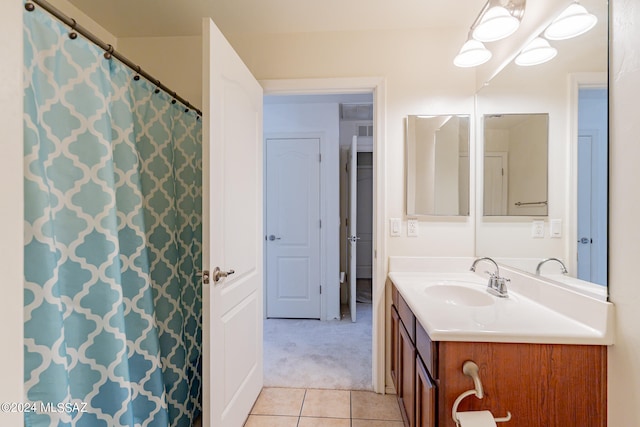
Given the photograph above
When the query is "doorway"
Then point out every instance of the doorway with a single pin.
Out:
(592, 160)
(308, 116)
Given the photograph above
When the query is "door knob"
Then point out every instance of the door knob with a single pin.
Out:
(584, 240)
(219, 274)
(273, 237)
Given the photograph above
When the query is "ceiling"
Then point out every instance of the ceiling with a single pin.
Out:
(157, 18)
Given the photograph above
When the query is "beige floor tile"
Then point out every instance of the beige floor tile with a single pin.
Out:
(372, 423)
(368, 405)
(271, 421)
(279, 401)
(324, 422)
(327, 404)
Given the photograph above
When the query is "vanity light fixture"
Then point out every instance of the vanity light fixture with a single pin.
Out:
(498, 19)
(572, 22)
(472, 54)
(538, 51)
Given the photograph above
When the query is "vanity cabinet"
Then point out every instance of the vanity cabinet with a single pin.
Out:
(415, 389)
(540, 384)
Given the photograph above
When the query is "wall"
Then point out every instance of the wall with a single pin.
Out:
(316, 119)
(11, 211)
(624, 205)
(175, 61)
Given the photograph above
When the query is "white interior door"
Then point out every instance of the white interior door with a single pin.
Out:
(232, 234)
(584, 207)
(293, 228)
(353, 222)
(495, 184)
(364, 250)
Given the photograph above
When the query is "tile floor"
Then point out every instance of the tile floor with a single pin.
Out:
(298, 407)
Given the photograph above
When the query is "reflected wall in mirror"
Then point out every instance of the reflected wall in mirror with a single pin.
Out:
(515, 164)
(438, 165)
(572, 89)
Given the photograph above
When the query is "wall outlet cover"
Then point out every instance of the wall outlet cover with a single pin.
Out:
(537, 229)
(556, 228)
(412, 228)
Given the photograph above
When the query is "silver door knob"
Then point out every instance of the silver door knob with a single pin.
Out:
(219, 274)
(273, 237)
(584, 240)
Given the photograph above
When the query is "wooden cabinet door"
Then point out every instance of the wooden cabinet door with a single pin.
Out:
(395, 344)
(425, 397)
(407, 375)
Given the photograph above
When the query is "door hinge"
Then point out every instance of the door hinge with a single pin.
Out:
(502, 171)
(320, 157)
(320, 223)
(320, 289)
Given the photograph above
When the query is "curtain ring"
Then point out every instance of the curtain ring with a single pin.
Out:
(30, 7)
(137, 76)
(109, 52)
(158, 88)
(173, 101)
(73, 35)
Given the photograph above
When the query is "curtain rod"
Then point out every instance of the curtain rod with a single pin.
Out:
(109, 50)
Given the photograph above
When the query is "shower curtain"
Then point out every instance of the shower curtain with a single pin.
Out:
(112, 304)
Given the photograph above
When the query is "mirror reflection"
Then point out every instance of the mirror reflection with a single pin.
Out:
(572, 90)
(515, 164)
(438, 165)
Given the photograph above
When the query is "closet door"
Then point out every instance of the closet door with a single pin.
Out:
(232, 234)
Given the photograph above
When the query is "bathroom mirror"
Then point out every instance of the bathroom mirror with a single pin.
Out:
(515, 164)
(572, 90)
(437, 150)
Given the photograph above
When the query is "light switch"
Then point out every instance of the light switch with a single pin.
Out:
(556, 228)
(395, 226)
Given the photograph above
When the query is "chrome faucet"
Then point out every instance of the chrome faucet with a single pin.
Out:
(564, 268)
(497, 285)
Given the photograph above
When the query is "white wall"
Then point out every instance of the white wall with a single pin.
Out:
(175, 61)
(11, 211)
(624, 205)
(315, 119)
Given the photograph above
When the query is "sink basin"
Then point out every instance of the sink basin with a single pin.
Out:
(459, 295)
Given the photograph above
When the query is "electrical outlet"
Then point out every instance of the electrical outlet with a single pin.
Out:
(412, 228)
(395, 227)
(537, 229)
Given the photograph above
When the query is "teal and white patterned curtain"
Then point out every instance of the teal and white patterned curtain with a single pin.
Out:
(112, 240)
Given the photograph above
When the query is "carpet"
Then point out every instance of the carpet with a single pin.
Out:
(304, 353)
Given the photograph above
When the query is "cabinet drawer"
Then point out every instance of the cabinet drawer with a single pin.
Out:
(428, 350)
(407, 317)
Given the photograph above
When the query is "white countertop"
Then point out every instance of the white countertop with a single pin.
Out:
(524, 317)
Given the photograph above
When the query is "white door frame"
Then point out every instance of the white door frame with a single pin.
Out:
(576, 81)
(376, 85)
(323, 210)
